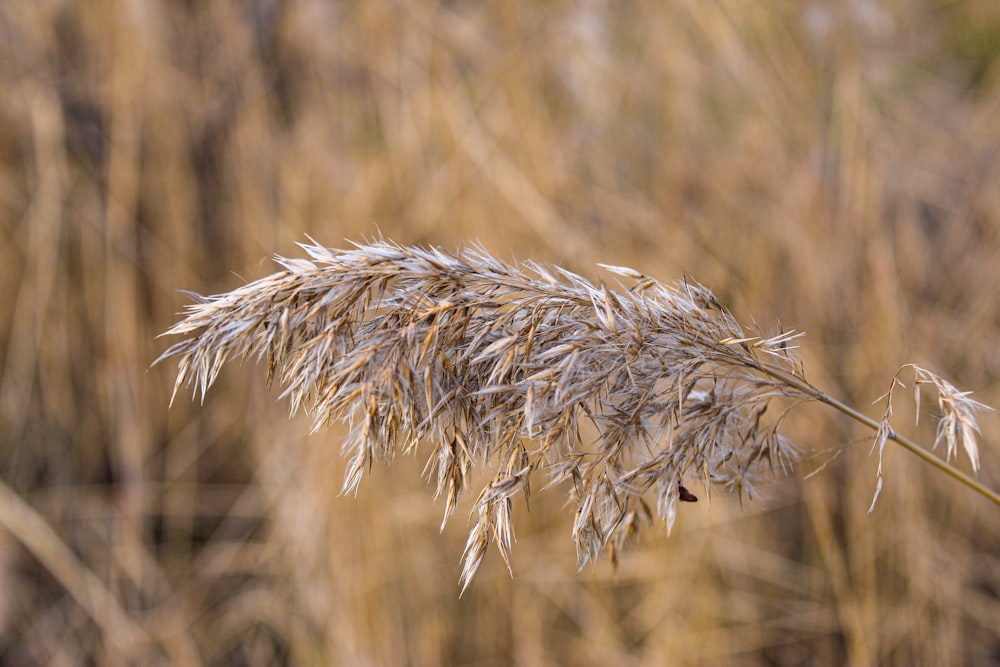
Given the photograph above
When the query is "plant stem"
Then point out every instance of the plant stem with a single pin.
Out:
(902, 440)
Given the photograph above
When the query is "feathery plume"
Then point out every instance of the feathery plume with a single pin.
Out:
(522, 369)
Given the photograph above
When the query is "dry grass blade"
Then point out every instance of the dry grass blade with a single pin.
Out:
(18, 517)
(521, 368)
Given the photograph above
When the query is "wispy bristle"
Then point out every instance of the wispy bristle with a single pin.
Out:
(957, 426)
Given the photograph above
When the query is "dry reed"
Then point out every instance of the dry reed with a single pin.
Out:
(527, 368)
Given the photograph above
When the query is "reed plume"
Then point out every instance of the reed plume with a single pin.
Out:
(624, 394)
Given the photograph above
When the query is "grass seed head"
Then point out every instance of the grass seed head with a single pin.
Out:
(523, 369)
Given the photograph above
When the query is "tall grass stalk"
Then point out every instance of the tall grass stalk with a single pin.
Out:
(626, 395)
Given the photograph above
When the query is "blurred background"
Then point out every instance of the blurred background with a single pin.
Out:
(832, 166)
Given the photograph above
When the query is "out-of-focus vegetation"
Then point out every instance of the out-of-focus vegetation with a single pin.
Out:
(829, 165)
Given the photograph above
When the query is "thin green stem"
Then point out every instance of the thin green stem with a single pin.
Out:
(902, 440)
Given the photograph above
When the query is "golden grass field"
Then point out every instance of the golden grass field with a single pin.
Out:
(832, 166)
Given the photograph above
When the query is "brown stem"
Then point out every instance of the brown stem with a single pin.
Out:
(819, 395)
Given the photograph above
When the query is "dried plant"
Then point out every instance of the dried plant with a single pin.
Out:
(624, 394)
